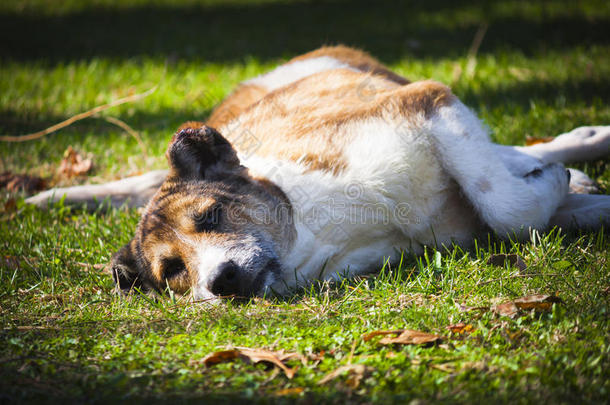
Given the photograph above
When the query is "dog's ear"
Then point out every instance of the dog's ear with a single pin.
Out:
(125, 272)
(200, 153)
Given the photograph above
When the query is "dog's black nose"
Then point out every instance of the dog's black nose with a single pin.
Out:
(226, 281)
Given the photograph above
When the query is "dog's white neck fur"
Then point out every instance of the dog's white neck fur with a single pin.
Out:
(348, 223)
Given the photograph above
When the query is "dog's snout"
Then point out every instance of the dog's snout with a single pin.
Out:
(226, 280)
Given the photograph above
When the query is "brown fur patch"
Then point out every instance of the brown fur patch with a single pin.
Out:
(306, 120)
(235, 103)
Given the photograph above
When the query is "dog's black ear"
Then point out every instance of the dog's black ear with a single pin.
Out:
(200, 153)
(125, 270)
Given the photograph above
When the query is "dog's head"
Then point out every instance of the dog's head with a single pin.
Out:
(212, 229)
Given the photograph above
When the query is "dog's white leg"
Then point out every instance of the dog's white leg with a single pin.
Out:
(578, 211)
(134, 191)
(581, 144)
(519, 162)
(507, 200)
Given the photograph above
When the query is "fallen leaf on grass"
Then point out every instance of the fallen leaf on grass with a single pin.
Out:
(289, 391)
(222, 356)
(506, 309)
(254, 356)
(368, 336)
(355, 374)
(460, 328)
(13, 182)
(513, 259)
(73, 164)
(465, 308)
(405, 337)
(532, 140)
(537, 302)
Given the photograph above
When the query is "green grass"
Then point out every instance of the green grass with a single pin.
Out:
(542, 69)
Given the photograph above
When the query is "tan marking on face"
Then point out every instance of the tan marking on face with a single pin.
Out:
(169, 223)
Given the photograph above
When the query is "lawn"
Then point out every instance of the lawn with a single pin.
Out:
(542, 68)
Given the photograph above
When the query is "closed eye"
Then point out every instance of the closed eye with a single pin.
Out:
(208, 220)
(173, 267)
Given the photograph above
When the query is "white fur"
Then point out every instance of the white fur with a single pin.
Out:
(578, 145)
(291, 72)
(209, 257)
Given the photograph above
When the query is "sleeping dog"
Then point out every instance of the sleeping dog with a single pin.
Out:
(327, 166)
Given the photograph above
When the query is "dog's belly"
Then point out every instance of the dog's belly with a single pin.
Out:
(399, 169)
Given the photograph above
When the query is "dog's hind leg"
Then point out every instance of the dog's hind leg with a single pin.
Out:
(132, 191)
(582, 211)
(507, 200)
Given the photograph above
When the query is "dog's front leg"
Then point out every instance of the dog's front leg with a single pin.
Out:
(578, 145)
(133, 191)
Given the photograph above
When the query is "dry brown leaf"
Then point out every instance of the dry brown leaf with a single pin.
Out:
(355, 374)
(514, 260)
(368, 336)
(461, 327)
(254, 356)
(532, 140)
(537, 302)
(506, 309)
(412, 337)
(21, 182)
(73, 164)
(289, 391)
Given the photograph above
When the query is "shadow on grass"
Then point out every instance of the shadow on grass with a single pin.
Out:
(230, 33)
(524, 93)
(168, 120)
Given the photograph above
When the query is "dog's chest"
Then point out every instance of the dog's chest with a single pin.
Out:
(387, 198)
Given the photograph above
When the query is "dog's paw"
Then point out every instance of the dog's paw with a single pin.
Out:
(580, 183)
(594, 136)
